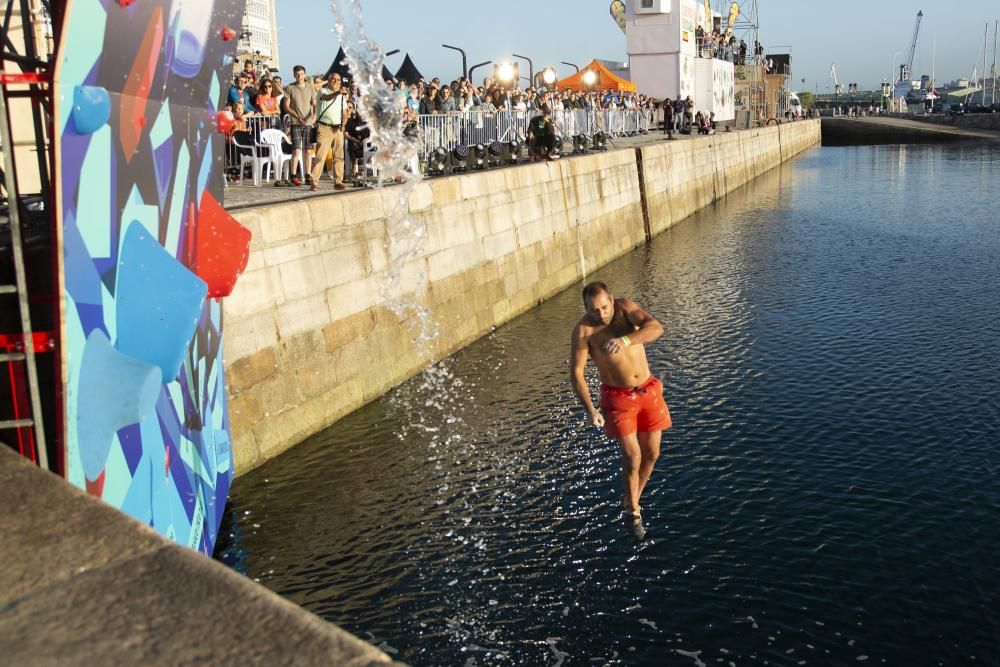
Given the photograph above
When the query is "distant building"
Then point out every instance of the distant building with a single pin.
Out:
(258, 36)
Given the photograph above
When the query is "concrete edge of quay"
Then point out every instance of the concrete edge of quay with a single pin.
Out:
(308, 338)
(84, 584)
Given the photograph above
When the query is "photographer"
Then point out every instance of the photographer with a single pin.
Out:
(541, 134)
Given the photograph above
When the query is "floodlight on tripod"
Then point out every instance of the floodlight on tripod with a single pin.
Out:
(507, 75)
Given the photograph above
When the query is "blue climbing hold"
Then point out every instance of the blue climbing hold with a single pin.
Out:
(115, 391)
(91, 108)
(158, 302)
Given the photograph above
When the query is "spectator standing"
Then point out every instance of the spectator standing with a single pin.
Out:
(357, 132)
(300, 105)
(668, 118)
(330, 121)
(688, 113)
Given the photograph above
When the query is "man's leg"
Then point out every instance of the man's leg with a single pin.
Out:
(324, 139)
(631, 463)
(338, 156)
(649, 448)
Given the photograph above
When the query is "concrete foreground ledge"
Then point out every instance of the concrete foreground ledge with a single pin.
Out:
(83, 584)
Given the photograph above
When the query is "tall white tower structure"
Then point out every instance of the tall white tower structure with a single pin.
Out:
(662, 44)
(258, 35)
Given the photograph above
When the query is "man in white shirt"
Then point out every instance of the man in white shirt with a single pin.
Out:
(330, 122)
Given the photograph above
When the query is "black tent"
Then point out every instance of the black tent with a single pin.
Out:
(386, 74)
(408, 71)
(339, 66)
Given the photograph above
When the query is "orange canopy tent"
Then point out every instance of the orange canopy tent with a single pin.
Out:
(605, 80)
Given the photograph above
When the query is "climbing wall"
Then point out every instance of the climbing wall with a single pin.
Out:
(148, 252)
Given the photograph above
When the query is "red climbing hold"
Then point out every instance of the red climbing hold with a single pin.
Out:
(222, 247)
(224, 121)
(126, 3)
(227, 34)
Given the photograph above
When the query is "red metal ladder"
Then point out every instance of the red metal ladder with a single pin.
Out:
(18, 350)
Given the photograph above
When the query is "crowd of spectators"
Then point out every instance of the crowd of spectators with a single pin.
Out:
(320, 115)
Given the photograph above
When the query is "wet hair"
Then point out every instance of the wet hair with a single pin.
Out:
(591, 290)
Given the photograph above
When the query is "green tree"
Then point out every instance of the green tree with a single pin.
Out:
(807, 99)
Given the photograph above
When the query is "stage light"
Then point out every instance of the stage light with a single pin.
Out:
(600, 141)
(513, 152)
(437, 162)
(549, 76)
(495, 152)
(479, 153)
(506, 74)
(557, 146)
(589, 78)
(459, 157)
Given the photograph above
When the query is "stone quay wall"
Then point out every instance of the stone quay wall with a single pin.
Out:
(308, 338)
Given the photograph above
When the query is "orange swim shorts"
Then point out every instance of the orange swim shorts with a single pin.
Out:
(629, 410)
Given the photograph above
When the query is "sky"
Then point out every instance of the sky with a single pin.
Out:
(862, 37)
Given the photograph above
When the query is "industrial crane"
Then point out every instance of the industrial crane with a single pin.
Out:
(906, 68)
(837, 88)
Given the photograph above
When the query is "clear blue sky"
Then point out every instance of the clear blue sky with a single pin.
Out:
(860, 36)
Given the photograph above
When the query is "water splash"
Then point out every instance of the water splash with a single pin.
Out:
(403, 287)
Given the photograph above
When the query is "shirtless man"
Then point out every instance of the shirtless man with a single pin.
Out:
(613, 332)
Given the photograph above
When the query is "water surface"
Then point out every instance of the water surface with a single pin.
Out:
(828, 493)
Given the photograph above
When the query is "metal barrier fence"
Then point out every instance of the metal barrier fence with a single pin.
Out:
(470, 128)
(484, 127)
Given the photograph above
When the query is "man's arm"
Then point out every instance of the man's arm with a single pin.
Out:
(578, 363)
(647, 328)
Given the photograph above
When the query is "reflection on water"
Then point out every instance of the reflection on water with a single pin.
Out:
(828, 493)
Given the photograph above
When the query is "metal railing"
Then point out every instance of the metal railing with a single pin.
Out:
(475, 127)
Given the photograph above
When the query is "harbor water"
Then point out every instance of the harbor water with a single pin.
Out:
(828, 493)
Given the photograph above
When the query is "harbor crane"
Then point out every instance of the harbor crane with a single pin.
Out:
(837, 88)
(906, 67)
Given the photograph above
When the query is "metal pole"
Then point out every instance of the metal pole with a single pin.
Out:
(986, 50)
(531, 67)
(993, 96)
(576, 67)
(477, 66)
(465, 61)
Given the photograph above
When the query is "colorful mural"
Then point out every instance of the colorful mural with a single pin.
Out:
(148, 251)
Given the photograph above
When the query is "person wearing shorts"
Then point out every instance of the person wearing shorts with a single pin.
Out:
(300, 105)
(613, 332)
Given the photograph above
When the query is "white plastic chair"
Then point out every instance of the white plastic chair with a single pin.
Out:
(257, 158)
(272, 140)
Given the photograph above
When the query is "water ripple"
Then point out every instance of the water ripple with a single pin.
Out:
(828, 494)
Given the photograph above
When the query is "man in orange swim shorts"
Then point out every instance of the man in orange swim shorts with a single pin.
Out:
(614, 332)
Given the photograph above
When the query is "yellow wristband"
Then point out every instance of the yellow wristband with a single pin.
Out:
(627, 341)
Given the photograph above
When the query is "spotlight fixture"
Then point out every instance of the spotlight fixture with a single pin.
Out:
(479, 157)
(557, 146)
(495, 153)
(459, 157)
(437, 162)
(600, 141)
(549, 76)
(589, 78)
(507, 75)
(513, 152)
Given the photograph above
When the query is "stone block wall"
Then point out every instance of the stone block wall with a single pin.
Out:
(308, 336)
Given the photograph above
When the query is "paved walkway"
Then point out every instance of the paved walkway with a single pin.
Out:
(243, 196)
(922, 127)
